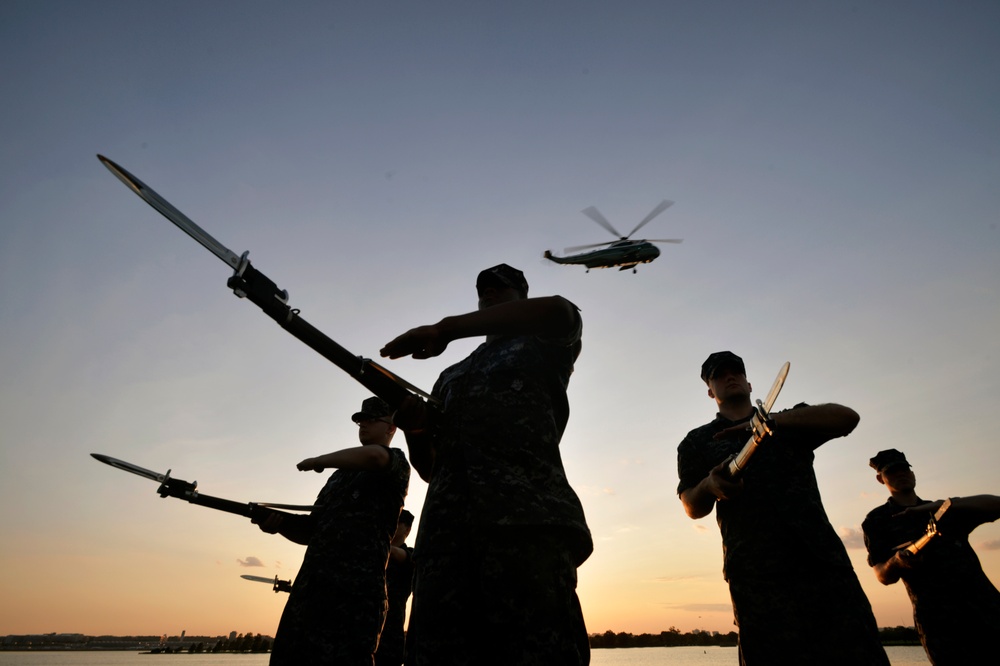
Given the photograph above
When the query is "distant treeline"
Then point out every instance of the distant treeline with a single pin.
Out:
(674, 638)
(248, 642)
(242, 643)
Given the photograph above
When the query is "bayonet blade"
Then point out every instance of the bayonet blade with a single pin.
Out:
(168, 211)
(776, 387)
(129, 467)
(258, 579)
(739, 460)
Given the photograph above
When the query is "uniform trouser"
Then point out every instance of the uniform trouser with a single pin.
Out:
(332, 623)
(819, 619)
(505, 599)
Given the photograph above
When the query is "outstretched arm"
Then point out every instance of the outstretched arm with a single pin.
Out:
(546, 317)
(830, 420)
(367, 457)
(822, 422)
(978, 509)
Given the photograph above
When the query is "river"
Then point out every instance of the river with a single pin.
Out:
(905, 655)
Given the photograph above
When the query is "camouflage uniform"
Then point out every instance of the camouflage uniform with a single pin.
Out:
(501, 532)
(398, 583)
(952, 598)
(337, 605)
(795, 594)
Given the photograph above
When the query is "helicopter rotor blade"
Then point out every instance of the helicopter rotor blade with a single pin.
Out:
(596, 216)
(662, 206)
(664, 240)
(577, 248)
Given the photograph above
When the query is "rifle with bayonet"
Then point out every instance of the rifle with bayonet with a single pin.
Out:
(188, 491)
(914, 547)
(760, 425)
(247, 282)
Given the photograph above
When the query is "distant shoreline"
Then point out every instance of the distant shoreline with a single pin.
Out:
(259, 644)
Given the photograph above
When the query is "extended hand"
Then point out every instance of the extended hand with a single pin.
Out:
(420, 342)
(741, 431)
(309, 464)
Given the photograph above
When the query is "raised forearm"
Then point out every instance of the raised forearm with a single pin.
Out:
(368, 457)
(830, 420)
(985, 508)
(547, 317)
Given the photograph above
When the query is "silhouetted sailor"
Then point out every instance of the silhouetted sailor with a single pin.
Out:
(501, 532)
(953, 600)
(795, 595)
(337, 605)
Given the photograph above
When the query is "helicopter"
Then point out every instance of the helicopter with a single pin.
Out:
(624, 252)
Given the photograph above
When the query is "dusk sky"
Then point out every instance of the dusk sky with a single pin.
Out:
(836, 173)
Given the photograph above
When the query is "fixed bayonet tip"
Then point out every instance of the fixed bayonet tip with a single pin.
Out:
(108, 163)
(131, 181)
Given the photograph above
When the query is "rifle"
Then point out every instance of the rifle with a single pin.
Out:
(247, 282)
(188, 491)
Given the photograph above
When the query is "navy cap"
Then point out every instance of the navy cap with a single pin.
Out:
(372, 408)
(719, 360)
(886, 459)
(502, 276)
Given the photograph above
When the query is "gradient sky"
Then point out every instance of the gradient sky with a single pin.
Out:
(836, 169)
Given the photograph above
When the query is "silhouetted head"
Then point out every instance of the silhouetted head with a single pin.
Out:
(500, 284)
(720, 361)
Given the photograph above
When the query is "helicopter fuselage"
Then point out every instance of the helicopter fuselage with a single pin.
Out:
(624, 254)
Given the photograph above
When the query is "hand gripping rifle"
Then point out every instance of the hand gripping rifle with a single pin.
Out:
(914, 547)
(759, 425)
(188, 491)
(247, 282)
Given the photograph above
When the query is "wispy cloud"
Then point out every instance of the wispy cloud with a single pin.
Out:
(990, 545)
(250, 561)
(852, 537)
